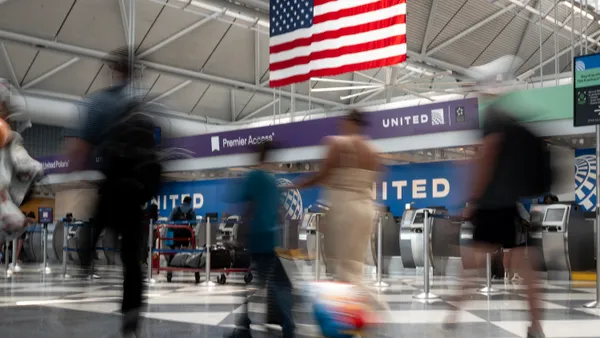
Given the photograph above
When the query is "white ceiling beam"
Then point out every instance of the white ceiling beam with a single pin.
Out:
(179, 35)
(124, 21)
(257, 111)
(263, 6)
(551, 20)
(428, 28)
(416, 94)
(470, 30)
(50, 73)
(11, 69)
(172, 91)
(184, 73)
(563, 52)
(256, 58)
(370, 96)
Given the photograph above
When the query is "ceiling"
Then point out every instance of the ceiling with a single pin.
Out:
(219, 67)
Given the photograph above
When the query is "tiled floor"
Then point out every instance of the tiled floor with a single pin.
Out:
(32, 305)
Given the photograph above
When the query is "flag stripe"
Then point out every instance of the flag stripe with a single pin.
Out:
(342, 23)
(334, 6)
(330, 48)
(347, 59)
(340, 70)
(352, 11)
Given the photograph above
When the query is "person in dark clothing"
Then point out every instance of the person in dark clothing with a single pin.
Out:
(493, 209)
(260, 193)
(119, 204)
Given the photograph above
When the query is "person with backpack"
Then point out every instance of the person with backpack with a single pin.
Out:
(182, 213)
(514, 164)
(125, 141)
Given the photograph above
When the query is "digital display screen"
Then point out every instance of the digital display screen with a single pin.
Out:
(305, 221)
(419, 218)
(229, 225)
(45, 215)
(554, 215)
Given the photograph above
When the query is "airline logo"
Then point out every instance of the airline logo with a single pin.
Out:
(437, 117)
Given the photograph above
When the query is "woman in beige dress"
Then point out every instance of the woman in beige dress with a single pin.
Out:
(347, 174)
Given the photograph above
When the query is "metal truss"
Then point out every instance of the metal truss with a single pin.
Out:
(177, 72)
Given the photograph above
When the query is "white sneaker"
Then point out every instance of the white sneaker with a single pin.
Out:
(517, 278)
(17, 268)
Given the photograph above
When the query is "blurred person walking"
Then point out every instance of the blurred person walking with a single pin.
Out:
(348, 172)
(260, 195)
(125, 142)
(514, 163)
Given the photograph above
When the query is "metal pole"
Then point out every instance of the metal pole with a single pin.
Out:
(65, 247)
(14, 254)
(150, 245)
(488, 276)
(207, 282)
(318, 249)
(8, 272)
(379, 283)
(132, 45)
(596, 303)
(426, 295)
(556, 60)
(45, 269)
(572, 40)
(541, 46)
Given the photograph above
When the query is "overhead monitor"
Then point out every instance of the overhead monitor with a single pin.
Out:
(586, 110)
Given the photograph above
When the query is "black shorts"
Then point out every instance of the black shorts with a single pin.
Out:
(496, 227)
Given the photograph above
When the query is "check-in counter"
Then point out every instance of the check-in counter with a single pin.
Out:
(563, 239)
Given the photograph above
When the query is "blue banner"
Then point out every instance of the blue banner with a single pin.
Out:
(585, 178)
(422, 185)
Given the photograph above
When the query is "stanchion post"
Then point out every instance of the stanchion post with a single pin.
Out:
(150, 245)
(379, 283)
(488, 289)
(207, 282)
(596, 303)
(426, 294)
(14, 254)
(45, 269)
(7, 272)
(65, 255)
(318, 248)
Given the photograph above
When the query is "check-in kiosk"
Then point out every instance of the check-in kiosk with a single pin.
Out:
(228, 229)
(564, 238)
(445, 244)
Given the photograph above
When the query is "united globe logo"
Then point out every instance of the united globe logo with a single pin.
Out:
(290, 200)
(579, 65)
(585, 181)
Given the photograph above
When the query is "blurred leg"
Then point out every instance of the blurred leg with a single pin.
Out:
(525, 269)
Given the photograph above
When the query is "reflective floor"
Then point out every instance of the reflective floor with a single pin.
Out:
(33, 305)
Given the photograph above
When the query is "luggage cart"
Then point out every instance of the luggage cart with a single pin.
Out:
(159, 251)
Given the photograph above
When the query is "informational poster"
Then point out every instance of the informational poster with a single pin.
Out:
(586, 108)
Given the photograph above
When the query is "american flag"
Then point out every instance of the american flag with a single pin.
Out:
(330, 37)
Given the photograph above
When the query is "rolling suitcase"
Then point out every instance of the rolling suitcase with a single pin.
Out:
(220, 258)
(180, 260)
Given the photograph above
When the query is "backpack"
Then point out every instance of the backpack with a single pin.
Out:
(181, 216)
(130, 155)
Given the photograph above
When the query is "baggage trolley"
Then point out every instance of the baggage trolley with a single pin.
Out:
(172, 252)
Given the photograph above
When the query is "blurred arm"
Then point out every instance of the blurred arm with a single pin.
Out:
(326, 166)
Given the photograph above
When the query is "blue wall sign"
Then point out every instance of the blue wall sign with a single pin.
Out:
(425, 184)
(585, 178)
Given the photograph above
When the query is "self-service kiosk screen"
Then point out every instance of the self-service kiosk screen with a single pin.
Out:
(229, 225)
(554, 215)
(419, 218)
(305, 221)
(407, 217)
